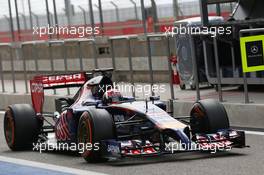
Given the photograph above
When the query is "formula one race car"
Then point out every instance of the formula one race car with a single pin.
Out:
(111, 126)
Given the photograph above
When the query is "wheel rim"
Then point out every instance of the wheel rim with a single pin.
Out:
(85, 135)
(9, 128)
(197, 117)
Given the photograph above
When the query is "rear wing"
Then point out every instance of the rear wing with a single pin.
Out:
(39, 83)
(62, 80)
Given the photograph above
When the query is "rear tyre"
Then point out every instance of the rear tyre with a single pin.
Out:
(208, 116)
(94, 125)
(21, 127)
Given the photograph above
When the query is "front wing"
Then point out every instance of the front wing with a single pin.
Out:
(223, 140)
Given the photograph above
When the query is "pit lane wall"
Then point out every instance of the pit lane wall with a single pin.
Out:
(71, 57)
(240, 115)
(18, 98)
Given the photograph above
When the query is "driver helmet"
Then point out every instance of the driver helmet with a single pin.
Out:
(112, 96)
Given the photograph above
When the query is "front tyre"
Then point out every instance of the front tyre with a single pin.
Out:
(21, 127)
(208, 116)
(94, 125)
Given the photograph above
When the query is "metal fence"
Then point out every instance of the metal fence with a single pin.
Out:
(115, 17)
(64, 12)
(22, 62)
(51, 57)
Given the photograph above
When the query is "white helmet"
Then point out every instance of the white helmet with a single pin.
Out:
(112, 96)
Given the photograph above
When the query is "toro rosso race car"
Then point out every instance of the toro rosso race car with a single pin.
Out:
(113, 125)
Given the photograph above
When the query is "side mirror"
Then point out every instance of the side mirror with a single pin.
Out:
(97, 103)
(154, 98)
(100, 105)
(128, 99)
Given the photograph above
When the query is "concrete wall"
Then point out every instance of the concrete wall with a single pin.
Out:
(7, 99)
(73, 64)
(42, 55)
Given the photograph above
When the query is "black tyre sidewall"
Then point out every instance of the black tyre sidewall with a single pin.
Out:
(211, 118)
(101, 127)
(26, 126)
(86, 120)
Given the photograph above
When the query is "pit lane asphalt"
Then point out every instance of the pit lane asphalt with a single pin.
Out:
(237, 161)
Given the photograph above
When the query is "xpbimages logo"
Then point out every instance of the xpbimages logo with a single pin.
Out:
(139, 88)
(80, 147)
(192, 30)
(81, 31)
(210, 147)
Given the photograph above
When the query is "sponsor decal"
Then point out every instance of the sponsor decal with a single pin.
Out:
(252, 53)
(113, 149)
(36, 87)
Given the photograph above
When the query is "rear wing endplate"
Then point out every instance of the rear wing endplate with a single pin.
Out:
(39, 83)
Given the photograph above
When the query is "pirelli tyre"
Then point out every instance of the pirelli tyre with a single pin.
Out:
(94, 125)
(208, 116)
(21, 127)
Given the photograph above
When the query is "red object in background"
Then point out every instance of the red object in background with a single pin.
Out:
(175, 73)
(111, 28)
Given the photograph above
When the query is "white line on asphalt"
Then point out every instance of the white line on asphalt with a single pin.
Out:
(48, 166)
(255, 133)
